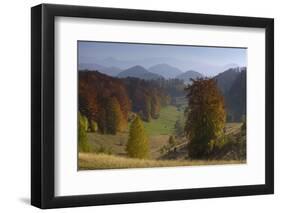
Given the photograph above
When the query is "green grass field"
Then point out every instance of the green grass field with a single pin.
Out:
(109, 151)
(89, 161)
(158, 131)
(116, 144)
(165, 124)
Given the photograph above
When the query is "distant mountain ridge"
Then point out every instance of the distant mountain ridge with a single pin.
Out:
(165, 70)
(188, 75)
(139, 72)
(110, 71)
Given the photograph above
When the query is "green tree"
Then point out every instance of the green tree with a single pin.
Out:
(205, 118)
(137, 146)
(83, 143)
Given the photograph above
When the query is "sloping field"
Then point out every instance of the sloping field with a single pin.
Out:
(89, 161)
(165, 124)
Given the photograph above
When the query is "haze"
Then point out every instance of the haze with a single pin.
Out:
(206, 60)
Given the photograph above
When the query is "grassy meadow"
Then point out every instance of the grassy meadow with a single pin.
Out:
(109, 151)
(139, 119)
(165, 124)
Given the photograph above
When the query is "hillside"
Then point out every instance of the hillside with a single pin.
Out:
(139, 72)
(165, 70)
(88, 161)
(236, 98)
(97, 91)
(188, 75)
(165, 124)
(232, 84)
(110, 71)
(226, 79)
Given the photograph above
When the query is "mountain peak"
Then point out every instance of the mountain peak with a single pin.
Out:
(165, 70)
(188, 75)
(138, 71)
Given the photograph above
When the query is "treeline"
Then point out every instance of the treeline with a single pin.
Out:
(232, 84)
(147, 97)
(107, 102)
(235, 99)
(104, 101)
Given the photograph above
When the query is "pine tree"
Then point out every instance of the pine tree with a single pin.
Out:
(137, 146)
(83, 143)
(205, 118)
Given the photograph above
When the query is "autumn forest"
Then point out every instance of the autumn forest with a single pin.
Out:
(132, 116)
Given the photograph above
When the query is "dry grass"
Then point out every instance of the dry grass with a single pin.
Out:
(233, 128)
(89, 161)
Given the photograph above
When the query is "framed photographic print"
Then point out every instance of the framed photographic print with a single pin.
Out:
(139, 106)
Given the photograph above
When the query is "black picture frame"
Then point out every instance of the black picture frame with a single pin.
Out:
(43, 105)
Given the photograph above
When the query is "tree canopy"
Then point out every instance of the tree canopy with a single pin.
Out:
(137, 146)
(205, 117)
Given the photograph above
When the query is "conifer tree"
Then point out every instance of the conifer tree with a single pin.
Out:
(137, 146)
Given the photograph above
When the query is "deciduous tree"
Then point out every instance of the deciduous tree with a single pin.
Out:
(205, 117)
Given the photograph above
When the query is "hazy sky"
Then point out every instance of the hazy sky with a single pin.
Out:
(201, 58)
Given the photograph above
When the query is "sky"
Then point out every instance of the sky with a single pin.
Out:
(207, 60)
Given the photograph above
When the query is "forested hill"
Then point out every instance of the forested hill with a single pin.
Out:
(139, 72)
(236, 98)
(102, 97)
(226, 79)
(232, 84)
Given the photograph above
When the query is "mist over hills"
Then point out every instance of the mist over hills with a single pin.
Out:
(111, 71)
(139, 72)
(165, 70)
(202, 67)
(188, 75)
